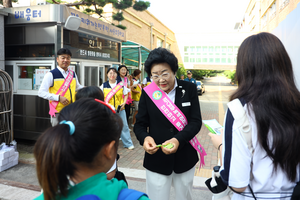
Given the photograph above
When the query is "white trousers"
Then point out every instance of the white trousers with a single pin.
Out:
(158, 185)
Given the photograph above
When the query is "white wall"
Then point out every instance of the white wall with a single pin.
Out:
(288, 32)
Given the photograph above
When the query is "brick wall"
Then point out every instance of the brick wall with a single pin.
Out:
(139, 30)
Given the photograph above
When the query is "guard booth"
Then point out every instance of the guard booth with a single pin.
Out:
(32, 37)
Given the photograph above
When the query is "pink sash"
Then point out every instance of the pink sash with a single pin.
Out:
(129, 99)
(113, 91)
(62, 90)
(173, 114)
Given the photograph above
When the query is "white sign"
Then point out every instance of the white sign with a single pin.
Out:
(39, 75)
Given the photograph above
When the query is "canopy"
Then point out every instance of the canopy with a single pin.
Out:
(134, 54)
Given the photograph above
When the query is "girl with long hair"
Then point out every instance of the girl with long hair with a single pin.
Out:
(272, 103)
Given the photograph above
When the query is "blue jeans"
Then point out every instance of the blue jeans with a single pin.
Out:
(125, 135)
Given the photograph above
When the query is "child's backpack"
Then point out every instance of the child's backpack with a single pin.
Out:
(125, 194)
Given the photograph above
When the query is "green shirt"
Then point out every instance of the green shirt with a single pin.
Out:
(97, 185)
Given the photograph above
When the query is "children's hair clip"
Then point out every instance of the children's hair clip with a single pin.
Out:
(70, 124)
(102, 102)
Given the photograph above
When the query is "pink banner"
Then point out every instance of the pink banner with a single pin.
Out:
(129, 99)
(173, 114)
(62, 90)
(113, 91)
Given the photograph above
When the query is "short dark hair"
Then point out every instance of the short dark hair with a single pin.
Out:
(121, 66)
(64, 51)
(161, 55)
(112, 68)
(90, 91)
(136, 72)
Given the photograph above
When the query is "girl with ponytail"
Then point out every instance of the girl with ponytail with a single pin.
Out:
(73, 156)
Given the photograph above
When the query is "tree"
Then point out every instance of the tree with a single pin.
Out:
(7, 3)
(96, 7)
(181, 71)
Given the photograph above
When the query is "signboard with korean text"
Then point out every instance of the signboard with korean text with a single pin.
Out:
(60, 13)
(86, 46)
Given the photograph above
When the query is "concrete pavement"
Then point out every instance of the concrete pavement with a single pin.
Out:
(20, 182)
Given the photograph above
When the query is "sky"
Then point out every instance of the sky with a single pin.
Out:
(198, 15)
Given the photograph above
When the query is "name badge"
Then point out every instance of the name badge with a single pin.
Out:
(186, 104)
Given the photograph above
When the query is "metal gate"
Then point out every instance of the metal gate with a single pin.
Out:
(6, 108)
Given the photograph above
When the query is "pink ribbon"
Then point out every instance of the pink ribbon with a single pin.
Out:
(113, 91)
(129, 99)
(62, 90)
(173, 114)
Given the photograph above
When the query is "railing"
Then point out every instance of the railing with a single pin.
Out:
(6, 108)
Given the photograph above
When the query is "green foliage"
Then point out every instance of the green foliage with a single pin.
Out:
(141, 5)
(88, 10)
(230, 75)
(118, 16)
(121, 26)
(181, 70)
(123, 4)
(95, 7)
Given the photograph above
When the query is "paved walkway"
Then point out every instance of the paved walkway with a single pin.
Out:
(20, 182)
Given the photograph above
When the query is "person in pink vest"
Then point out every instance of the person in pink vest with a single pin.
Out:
(59, 85)
(176, 165)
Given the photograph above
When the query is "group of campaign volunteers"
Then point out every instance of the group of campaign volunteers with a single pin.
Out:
(77, 157)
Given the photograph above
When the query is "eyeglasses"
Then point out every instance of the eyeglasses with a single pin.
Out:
(102, 102)
(162, 76)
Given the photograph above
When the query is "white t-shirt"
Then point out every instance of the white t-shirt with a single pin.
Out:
(127, 81)
(125, 90)
(145, 81)
(236, 166)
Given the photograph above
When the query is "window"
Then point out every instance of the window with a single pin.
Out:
(229, 60)
(198, 60)
(186, 49)
(204, 60)
(273, 10)
(186, 54)
(204, 50)
(230, 50)
(186, 59)
(159, 43)
(168, 46)
(217, 60)
(31, 77)
(192, 49)
(192, 60)
(91, 76)
(211, 60)
(224, 50)
(198, 49)
(235, 51)
(211, 50)
(264, 20)
(217, 50)
(223, 60)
